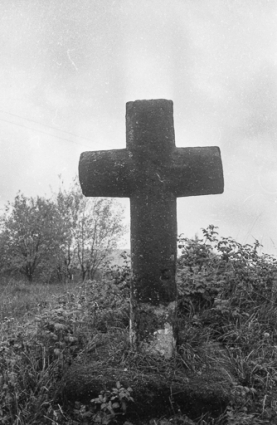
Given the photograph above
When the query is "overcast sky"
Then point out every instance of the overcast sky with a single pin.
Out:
(68, 67)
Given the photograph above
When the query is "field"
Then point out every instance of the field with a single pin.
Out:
(227, 320)
(22, 300)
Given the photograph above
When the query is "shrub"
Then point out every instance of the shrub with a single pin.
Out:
(227, 295)
(34, 354)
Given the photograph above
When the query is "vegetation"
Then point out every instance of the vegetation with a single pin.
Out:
(227, 317)
(31, 235)
(54, 239)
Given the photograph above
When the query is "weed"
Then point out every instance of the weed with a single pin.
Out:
(107, 406)
(227, 316)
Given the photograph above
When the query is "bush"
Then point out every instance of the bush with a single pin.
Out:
(34, 354)
(227, 295)
(227, 317)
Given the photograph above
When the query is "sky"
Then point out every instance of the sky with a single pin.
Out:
(68, 67)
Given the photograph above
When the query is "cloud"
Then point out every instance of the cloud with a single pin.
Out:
(72, 66)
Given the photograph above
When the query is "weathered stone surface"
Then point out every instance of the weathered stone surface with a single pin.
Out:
(152, 172)
(154, 393)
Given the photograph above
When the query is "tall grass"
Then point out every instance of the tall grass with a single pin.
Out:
(20, 299)
(227, 315)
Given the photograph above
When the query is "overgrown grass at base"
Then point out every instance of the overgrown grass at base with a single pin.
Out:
(20, 298)
(227, 315)
(40, 341)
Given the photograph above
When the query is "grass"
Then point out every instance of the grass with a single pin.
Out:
(20, 299)
(231, 331)
(43, 328)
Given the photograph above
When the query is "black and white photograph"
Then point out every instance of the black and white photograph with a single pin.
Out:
(138, 212)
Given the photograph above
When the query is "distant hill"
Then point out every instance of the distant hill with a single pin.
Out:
(116, 258)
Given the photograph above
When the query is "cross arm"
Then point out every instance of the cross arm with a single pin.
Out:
(197, 171)
(105, 173)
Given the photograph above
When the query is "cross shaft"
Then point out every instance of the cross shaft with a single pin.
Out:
(152, 172)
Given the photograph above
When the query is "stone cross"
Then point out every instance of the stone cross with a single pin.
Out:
(152, 172)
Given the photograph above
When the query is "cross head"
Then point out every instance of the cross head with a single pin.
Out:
(153, 173)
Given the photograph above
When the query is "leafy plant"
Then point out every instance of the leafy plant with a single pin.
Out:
(107, 407)
(227, 319)
(227, 296)
(112, 403)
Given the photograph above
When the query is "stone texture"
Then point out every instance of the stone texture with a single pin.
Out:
(152, 172)
(155, 392)
(195, 386)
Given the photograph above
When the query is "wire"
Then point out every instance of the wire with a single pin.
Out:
(48, 134)
(40, 131)
(49, 126)
(45, 125)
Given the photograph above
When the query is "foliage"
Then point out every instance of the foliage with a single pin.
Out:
(108, 405)
(31, 363)
(68, 203)
(35, 352)
(51, 239)
(32, 233)
(224, 275)
(227, 320)
(120, 274)
(93, 227)
(227, 294)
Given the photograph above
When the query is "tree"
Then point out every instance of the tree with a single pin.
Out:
(31, 235)
(50, 238)
(68, 203)
(93, 226)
